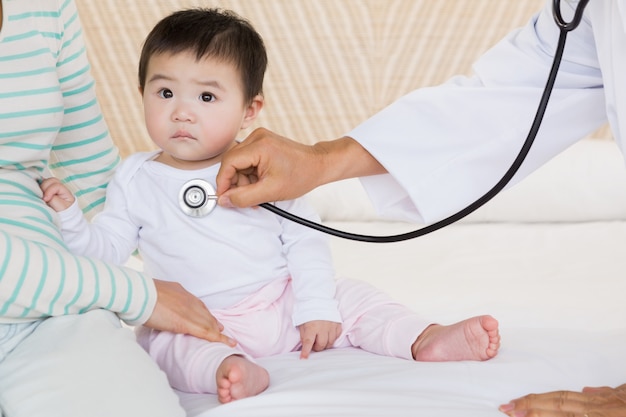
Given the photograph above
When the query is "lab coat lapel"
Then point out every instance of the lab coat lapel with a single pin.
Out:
(614, 67)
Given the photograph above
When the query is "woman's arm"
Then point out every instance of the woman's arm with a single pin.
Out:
(83, 155)
(50, 99)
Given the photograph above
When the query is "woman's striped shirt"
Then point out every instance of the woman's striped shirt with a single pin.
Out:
(51, 124)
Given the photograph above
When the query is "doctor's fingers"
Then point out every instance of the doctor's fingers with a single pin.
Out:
(239, 166)
(278, 169)
(619, 392)
(568, 404)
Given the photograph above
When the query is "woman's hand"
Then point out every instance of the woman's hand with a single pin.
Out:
(591, 402)
(179, 311)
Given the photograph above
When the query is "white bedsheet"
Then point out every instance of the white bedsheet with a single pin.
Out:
(350, 382)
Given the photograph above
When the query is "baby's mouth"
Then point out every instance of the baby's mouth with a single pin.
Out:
(182, 135)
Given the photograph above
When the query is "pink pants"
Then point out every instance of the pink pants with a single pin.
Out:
(262, 326)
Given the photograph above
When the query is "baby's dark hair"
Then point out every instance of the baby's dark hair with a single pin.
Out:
(210, 33)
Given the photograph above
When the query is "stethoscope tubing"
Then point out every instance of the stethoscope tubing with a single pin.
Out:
(576, 19)
(564, 28)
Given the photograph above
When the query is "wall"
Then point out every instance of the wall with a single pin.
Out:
(332, 64)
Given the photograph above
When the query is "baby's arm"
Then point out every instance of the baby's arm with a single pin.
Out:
(56, 195)
(309, 260)
(111, 236)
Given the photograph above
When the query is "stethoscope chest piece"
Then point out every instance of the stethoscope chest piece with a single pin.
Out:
(197, 198)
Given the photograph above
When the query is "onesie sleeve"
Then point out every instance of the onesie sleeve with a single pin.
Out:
(310, 264)
(446, 146)
(111, 236)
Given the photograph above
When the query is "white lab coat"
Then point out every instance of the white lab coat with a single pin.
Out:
(446, 146)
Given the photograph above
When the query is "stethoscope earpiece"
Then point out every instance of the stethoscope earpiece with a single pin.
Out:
(197, 198)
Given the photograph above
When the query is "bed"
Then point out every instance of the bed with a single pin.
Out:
(549, 266)
(546, 257)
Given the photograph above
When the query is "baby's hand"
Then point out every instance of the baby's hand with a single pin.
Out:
(56, 195)
(318, 335)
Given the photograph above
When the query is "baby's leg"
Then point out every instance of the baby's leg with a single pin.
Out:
(239, 378)
(476, 338)
(195, 365)
(376, 323)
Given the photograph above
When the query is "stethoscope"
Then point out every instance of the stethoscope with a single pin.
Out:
(197, 197)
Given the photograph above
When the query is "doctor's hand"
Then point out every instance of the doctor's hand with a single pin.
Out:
(268, 167)
(591, 402)
(318, 335)
(179, 311)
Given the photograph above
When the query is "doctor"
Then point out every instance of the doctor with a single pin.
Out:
(440, 148)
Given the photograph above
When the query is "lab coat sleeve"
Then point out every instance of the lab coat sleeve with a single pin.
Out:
(446, 146)
(309, 261)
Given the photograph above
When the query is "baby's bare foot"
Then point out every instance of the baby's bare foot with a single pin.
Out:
(476, 339)
(239, 378)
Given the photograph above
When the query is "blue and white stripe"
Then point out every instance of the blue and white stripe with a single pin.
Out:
(51, 124)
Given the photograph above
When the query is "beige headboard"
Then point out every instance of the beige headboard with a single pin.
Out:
(332, 63)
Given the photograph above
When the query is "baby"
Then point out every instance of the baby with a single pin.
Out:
(268, 282)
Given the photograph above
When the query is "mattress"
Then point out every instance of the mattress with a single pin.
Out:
(556, 289)
(351, 382)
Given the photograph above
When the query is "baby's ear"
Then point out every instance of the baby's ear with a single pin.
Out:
(252, 110)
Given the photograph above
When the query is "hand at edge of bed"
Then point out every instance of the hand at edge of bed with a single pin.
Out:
(590, 402)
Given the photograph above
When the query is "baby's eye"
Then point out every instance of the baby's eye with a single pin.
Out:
(207, 97)
(166, 93)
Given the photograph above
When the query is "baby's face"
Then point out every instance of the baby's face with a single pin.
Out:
(194, 109)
